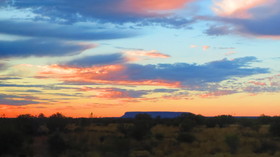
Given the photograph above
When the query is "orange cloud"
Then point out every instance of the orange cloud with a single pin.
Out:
(106, 74)
(205, 47)
(238, 8)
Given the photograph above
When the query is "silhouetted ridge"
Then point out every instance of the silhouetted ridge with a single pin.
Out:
(154, 114)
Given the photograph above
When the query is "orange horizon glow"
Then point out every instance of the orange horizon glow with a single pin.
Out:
(235, 105)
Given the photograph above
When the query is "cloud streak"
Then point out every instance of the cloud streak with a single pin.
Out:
(59, 31)
(16, 100)
(40, 48)
(88, 61)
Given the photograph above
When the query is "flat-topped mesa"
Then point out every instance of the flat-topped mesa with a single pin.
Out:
(154, 114)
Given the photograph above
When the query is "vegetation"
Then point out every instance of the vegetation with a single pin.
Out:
(187, 135)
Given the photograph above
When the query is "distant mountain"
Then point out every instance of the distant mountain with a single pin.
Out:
(154, 114)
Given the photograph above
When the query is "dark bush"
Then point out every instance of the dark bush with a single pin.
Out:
(266, 146)
(142, 126)
(196, 119)
(159, 136)
(263, 119)
(232, 142)
(186, 137)
(27, 124)
(186, 125)
(57, 122)
(125, 129)
(224, 120)
(11, 140)
(274, 129)
(210, 122)
(57, 144)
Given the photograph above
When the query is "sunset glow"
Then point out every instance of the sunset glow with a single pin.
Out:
(108, 57)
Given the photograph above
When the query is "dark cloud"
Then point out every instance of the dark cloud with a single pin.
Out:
(264, 26)
(9, 100)
(9, 78)
(2, 67)
(88, 61)
(218, 30)
(38, 47)
(164, 90)
(68, 32)
(193, 74)
(20, 85)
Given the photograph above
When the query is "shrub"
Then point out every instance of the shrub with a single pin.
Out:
(186, 137)
(187, 125)
(232, 142)
(57, 144)
(57, 122)
(159, 136)
(10, 140)
(275, 129)
(266, 146)
(224, 120)
(27, 124)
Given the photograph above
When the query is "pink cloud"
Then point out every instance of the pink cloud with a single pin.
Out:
(205, 47)
(258, 83)
(153, 5)
(136, 55)
(239, 8)
(194, 46)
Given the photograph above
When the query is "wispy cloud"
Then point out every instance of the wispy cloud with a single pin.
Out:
(204, 47)
(16, 100)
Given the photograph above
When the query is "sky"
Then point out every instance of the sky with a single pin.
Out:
(107, 57)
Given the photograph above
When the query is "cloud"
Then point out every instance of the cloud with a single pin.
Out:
(136, 55)
(172, 75)
(237, 8)
(258, 18)
(217, 93)
(267, 84)
(156, 5)
(16, 100)
(217, 30)
(40, 48)
(59, 31)
(115, 93)
(117, 11)
(88, 61)
(204, 47)
(2, 67)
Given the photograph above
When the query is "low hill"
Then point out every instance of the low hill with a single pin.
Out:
(154, 114)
